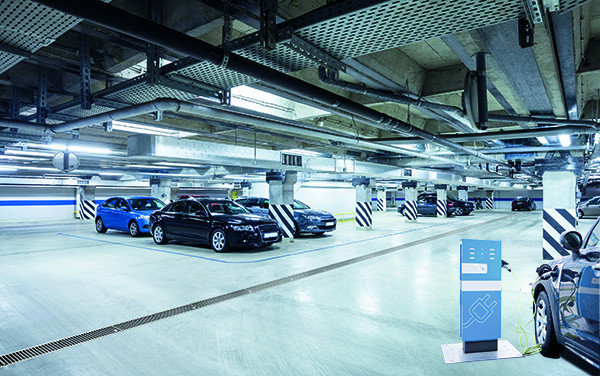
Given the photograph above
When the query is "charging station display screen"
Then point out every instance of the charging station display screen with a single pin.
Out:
(480, 293)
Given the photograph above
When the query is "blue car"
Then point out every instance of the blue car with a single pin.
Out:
(306, 220)
(126, 214)
(567, 298)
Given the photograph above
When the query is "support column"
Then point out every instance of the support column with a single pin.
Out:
(281, 201)
(463, 193)
(364, 208)
(442, 202)
(410, 200)
(86, 208)
(489, 200)
(381, 202)
(161, 189)
(559, 211)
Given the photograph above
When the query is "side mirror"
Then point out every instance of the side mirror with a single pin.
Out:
(571, 241)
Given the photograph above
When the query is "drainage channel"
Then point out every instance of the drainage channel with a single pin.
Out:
(35, 351)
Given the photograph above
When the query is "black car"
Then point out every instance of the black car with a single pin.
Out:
(221, 223)
(566, 297)
(460, 207)
(427, 205)
(523, 203)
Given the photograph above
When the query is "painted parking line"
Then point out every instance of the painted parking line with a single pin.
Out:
(259, 260)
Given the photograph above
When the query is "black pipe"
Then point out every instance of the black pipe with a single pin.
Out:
(118, 19)
(543, 120)
(482, 104)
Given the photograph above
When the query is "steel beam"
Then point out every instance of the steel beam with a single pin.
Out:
(561, 27)
(42, 97)
(85, 72)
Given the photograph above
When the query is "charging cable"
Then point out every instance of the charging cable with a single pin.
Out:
(520, 328)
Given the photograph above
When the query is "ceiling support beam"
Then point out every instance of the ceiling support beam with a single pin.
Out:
(561, 29)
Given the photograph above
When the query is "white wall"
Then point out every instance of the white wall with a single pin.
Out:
(21, 202)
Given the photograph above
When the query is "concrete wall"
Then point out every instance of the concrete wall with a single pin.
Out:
(17, 202)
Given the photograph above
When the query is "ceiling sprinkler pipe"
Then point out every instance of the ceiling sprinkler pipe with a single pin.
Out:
(542, 120)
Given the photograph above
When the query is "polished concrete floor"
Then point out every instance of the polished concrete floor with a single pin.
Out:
(385, 315)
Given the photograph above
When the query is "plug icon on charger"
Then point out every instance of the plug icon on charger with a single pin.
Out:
(480, 310)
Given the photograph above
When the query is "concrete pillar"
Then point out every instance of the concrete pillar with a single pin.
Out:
(559, 211)
(86, 208)
(281, 201)
(161, 189)
(489, 200)
(381, 199)
(463, 193)
(364, 208)
(442, 201)
(410, 200)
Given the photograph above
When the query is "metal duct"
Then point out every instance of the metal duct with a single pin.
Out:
(543, 120)
(117, 19)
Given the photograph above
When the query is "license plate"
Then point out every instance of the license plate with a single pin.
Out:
(329, 224)
(270, 235)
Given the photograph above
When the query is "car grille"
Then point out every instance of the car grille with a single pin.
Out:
(269, 227)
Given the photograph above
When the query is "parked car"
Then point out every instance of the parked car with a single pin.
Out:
(306, 220)
(523, 203)
(427, 205)
(590, 207)
(460, 207)
(126, 214)
(185, 197)
(566, 296)
(221, 223)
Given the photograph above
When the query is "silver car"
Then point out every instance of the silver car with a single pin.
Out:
(589, 208)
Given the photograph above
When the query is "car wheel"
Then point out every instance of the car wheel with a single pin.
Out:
(402, 211)
(218, 241)
(296, 230)
(459, 211)
(100, 226)
(580, 214)
(158, 234)
(544, 327)
(134, 229)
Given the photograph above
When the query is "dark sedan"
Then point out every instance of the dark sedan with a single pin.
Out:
(523, 203)
(459, 207)
(427, 205)
(567, 296)
(306, 220)
(221, 223)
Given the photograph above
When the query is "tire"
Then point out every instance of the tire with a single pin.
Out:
(134, 229)
(218, 241)
(544, 327)
(296, 230)
(402, 212)
(580, 214)
(158, 234)
(459, 211)
(100, 226)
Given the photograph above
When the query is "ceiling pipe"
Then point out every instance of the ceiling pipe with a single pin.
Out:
(502, 135)
(117, 19)
(543, 120)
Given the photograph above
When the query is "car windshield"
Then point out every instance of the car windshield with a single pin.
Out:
(146, 203)
(226, 207)
(300, 205)
(521, 198)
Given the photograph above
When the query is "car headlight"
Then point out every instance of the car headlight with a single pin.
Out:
(145, 217)
(311, 217)
(242, 228)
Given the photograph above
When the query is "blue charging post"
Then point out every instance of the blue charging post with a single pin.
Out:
(480, 305)
(480, 294)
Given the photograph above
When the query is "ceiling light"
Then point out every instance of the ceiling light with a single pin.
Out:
(179, 164)
(29, 152)
(302, 152)
(565, 140)
(127, 126)
(15, 158)
(108, 173)
(73, 148)
(543, 140)
(147, 166)
(8, 168)
(27, 168)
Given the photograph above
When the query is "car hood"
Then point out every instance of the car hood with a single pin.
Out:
(143, 212)
(317, 213)
(242, 219)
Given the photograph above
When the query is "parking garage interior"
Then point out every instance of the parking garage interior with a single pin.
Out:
(376, 136)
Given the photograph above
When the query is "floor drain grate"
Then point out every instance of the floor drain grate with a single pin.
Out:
(35, 351)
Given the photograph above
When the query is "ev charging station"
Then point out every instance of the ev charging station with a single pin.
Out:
(480, 305)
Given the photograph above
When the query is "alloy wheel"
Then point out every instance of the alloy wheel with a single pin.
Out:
(541, 321)
(158, 234)
(218, 240)
(133, 229)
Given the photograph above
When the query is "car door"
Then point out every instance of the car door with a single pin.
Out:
(196, 222)
(429, 205)
(594, 208)
(579, 295)
(173, 220)
(121, 214)
(108, 212)
(259, 206)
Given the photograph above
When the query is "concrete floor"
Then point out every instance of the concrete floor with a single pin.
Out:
(388, 315)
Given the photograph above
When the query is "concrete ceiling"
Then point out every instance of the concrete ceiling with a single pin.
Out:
(423, 49)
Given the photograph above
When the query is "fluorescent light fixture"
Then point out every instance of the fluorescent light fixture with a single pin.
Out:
(73, 148)
(17, 158)
(108, 173)
(127, 126)
(173, 164)
(302, 152)
(543, 140)
(8, 168)
(565, 140)
(29, 152)
(28, 168)
(243, 177)
(147, 166)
